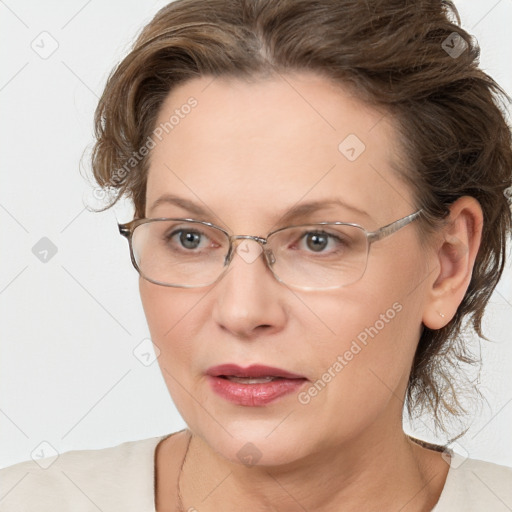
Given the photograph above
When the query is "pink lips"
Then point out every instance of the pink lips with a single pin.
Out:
(227, 381)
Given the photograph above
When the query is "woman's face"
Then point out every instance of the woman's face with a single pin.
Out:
(246, 153)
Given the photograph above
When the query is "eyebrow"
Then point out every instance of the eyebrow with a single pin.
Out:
(296, 211)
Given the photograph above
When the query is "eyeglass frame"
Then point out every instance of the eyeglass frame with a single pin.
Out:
(127, 229)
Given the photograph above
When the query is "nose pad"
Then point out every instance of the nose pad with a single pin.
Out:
(271, 259)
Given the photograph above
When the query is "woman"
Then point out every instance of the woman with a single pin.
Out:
(320, 204)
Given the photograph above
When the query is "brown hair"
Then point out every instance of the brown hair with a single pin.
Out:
(410, 58)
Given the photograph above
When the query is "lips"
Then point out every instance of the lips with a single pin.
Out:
(256, 385)
(255, 371)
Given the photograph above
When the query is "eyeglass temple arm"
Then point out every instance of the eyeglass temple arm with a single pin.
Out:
(389, 229)
(124, 229)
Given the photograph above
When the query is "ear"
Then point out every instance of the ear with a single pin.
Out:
(454, 260)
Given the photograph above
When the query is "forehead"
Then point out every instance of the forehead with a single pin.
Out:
(248, 148)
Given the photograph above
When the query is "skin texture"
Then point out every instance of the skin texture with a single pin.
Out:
(247, 153)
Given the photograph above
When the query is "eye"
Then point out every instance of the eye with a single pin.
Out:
(318, 241)
(190, 239)
(187, 239)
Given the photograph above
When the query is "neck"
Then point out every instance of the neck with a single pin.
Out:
(380, 470)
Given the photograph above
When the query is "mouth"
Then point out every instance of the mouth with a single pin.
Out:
(256, 385)
(256, 371)
(249, 380)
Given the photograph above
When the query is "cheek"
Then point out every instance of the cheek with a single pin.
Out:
(175, 318)
(167, 312)
(165, 308)
(365, 333)
(156, 310)
(360, 372)
(364, 348)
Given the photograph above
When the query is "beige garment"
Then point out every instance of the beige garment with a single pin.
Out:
(121, 478)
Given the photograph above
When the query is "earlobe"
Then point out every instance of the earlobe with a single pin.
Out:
(454, 261)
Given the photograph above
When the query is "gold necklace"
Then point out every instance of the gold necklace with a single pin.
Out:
(180, 498)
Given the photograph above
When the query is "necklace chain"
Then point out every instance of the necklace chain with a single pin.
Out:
(178, 483)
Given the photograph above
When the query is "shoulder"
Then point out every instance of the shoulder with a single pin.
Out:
(83, 480)
(475, 485)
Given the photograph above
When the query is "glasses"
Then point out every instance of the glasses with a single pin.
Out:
(189, 253)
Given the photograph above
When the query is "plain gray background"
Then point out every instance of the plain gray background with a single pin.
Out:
(73, 373)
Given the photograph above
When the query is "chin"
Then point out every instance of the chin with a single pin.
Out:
(255, 443)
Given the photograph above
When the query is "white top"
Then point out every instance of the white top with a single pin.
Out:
(121, 478)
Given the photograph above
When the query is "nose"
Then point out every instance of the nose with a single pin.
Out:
(248, 299)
